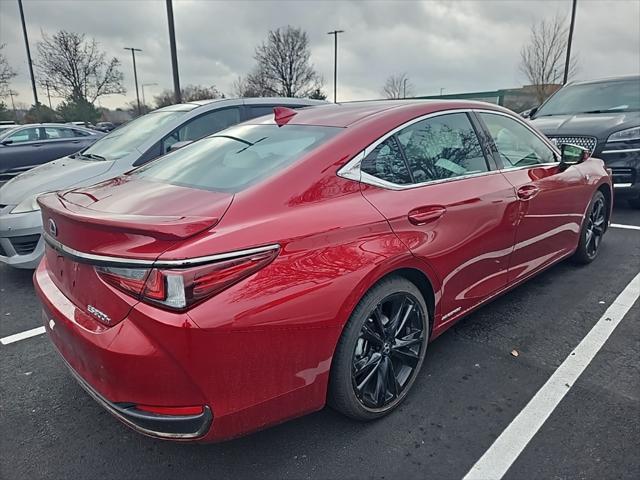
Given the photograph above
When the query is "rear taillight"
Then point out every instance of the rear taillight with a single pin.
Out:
(182, 288)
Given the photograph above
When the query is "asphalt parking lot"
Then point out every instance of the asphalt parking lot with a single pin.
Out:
(471, 388)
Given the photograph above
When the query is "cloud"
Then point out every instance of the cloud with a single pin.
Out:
(459, 46)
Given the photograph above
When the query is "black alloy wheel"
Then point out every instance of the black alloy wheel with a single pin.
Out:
(593, 229)
(380, 351)
(596, 225)
(387, 351)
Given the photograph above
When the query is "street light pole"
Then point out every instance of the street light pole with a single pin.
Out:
(568, 60)
(46, 83)
(441, 90)
(135, 74)
(144, 102)
(335, 63)
(177, 93)
(26, 44)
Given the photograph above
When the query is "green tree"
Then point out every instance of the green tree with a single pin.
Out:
(78, 110)
(43, 114)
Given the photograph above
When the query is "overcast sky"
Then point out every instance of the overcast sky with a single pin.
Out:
(460, 46)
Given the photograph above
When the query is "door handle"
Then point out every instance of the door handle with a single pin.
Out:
(527, 192)
(423, 215)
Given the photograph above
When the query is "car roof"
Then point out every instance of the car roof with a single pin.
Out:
(623, 78)
(349, 113)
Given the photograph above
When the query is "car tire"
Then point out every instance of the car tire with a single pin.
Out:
(353, 351)
(634, 203)
(593, 228)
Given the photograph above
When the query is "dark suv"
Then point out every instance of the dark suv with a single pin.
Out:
(603, 116)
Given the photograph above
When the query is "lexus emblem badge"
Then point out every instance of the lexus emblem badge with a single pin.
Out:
(53, 228)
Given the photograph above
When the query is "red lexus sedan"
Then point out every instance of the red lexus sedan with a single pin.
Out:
(304, 258)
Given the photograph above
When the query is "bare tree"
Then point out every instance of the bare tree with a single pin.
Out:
(76, 68)
(542, 59)
(6, 74)
(283, 65)
(189, 94)
(397, 86)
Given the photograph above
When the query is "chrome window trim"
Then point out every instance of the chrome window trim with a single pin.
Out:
(351, 170)
(622, 185)
(106, 260)
(622, 150)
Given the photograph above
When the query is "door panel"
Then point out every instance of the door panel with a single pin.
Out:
(548, 221)
(466, 234)
(550, 200)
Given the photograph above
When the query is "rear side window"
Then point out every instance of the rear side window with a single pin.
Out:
(386, 163)
(243, 155)
(81, 133)
(259, 110)
(58, 133)
(442, 147)
(202, 126)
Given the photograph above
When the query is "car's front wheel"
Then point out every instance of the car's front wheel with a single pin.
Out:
(381, 350)
(593, 228)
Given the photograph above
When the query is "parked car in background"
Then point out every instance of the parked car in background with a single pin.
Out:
(604, 117)
(287, 262)
(82, 124)
(131, 145)
(26, 146)
(7, 125)
(104, 126)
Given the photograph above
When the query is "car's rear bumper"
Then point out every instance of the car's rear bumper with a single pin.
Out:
(122, 368)
(163, 426)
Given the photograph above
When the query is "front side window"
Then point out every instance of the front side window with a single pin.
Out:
(25, 135)
(442, 147)
(239, 157)
(202, 126)
(386, 163)
(516, 144)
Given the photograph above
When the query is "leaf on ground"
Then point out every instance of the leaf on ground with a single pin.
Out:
(514, 352)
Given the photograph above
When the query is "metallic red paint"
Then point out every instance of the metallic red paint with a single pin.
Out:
(260, 352)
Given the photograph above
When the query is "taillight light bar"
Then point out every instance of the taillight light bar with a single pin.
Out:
(181, 288)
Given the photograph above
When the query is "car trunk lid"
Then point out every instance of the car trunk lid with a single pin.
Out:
(88, 227)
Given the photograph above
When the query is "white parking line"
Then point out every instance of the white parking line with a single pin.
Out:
(509, 445)
(628, 227)
(22, 335)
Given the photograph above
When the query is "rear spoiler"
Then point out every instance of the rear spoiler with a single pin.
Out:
(168, 227)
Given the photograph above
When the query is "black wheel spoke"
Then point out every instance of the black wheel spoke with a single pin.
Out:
(376, 366)
(370, 335)
(377, 320)
(405, 357)
(393, 386)
(381, 383)
(414, 338)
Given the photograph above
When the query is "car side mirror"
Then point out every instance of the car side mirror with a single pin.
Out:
(572, 155)
(529, 113)
(7, 142)
(178, 145)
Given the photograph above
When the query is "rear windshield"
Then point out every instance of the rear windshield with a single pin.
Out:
(237, 157)
(602, 97)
